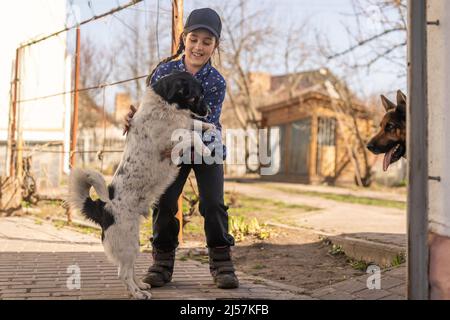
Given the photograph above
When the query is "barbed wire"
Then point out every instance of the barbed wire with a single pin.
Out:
(99, 86)
(46, 147)
(95, 17)
(63, 152)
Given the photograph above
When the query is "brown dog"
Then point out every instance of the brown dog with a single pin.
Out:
(391, 138)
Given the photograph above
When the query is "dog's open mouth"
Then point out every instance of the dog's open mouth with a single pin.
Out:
(393, 155)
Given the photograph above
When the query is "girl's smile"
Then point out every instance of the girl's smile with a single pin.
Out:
(199, 47)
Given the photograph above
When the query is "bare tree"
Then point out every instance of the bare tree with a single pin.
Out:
(137, 48)
(247, 36)
(377, 43)
(379, 36)
(348, 117)
(251, 45)
(95, 68)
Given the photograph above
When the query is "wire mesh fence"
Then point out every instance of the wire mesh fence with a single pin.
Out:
(118, 46)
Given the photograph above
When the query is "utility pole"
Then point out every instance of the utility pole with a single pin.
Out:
(177, 29)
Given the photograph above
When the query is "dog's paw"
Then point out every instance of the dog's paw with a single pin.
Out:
(142, 295)
(209, 126)
(206, 152)
(143, 285)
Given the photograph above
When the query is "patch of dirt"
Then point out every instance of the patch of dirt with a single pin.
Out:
(300, 259)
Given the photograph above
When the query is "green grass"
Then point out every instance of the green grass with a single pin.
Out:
(346, 198)
(359, 265)
(244, 206)
(25, 204)
(195, 226)
(80, 228)
(247, 204)
(336, 250)
(398, 260)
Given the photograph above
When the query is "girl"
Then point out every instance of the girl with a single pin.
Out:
(198, 42)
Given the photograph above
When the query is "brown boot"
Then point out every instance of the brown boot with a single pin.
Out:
(161, 271)
(222, 269)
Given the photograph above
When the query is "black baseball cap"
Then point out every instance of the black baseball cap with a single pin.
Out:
(204, 18)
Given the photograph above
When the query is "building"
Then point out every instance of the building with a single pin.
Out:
(310, 134)
(312, 140)
(44, 69)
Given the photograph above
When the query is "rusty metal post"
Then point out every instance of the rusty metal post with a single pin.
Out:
(177, 29)
(73, 144)
(177, 23)
(13, 114)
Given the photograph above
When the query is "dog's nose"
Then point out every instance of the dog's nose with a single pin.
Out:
(371, 146)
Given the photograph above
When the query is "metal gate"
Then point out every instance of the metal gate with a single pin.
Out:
(326, 147)
(298, 148)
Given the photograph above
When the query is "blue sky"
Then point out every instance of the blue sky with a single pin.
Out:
(325, 16)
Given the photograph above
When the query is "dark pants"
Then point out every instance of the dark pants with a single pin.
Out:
(210, 182)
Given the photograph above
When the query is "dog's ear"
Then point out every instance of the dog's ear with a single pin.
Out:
(165, 88)
(387, 104)
(174, 90)
(401, 102)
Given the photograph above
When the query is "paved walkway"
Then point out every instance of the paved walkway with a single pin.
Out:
(35, 257)
(392, 286)
(34, 262)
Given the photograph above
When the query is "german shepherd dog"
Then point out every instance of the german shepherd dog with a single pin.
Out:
(391, 138)
(142, 176)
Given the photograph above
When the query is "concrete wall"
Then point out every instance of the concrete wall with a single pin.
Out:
(439, 116)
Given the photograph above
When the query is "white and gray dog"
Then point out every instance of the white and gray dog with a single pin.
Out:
(142, 175)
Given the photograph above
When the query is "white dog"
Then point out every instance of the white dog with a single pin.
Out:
(142, 175)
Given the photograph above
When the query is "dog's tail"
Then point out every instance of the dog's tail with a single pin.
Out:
(80, 182)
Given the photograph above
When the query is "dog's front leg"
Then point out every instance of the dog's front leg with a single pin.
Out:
(142, 285)
(126, 274)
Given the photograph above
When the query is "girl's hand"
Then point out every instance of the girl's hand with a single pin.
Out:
(128, 118)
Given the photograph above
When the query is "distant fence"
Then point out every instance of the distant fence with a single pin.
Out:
(46, 90)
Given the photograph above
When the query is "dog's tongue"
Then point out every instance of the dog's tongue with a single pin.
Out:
(387, 159)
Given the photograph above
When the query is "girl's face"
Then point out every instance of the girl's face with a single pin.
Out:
(199, 47)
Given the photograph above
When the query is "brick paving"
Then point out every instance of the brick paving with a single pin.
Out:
(34, 261)
(392, 287)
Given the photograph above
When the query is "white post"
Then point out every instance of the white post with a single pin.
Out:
(438, 46)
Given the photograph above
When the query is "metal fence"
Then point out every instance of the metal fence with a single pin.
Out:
(59, 115)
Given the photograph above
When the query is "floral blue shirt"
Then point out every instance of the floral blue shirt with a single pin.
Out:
(214, 88)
